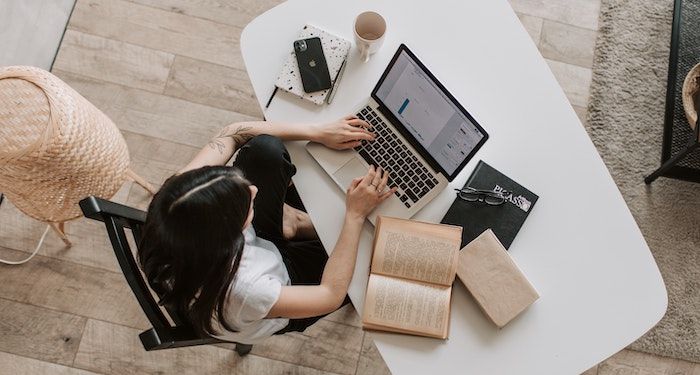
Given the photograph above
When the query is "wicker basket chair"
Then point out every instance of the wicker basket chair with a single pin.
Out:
(691, 88)
(56, 148)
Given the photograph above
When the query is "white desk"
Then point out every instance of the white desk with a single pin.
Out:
(600, 287)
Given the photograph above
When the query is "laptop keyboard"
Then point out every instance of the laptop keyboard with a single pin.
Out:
(412, 179)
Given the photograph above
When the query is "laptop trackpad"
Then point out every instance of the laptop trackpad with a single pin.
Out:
(351, 169)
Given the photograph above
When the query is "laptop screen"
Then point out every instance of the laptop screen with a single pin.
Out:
(430, 114)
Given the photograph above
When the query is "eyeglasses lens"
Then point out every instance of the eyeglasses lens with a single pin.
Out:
(494, 200)
(469, 196)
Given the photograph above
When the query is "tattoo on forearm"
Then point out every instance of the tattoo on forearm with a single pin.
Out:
(240, 136)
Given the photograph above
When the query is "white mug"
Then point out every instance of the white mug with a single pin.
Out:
(370, 29)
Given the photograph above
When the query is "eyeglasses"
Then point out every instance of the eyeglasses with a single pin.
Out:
(489, 197)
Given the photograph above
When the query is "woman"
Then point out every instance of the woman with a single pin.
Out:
(224, 250)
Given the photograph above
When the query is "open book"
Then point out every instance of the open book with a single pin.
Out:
(410, 283)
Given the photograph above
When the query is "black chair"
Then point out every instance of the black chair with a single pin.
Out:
(163, 335)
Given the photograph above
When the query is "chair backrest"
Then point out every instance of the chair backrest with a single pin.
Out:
(117, 219)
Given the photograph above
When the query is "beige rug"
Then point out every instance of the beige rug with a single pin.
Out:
(625, 117)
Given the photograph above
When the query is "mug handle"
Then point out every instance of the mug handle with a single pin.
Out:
(364, 52)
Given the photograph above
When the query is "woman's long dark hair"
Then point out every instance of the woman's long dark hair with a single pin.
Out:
(192, 242)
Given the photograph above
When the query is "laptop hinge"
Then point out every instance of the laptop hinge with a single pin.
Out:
(398, 127)
(385, 111)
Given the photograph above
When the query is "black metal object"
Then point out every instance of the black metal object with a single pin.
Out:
(163, 335)
(680, 154)
(671, 163)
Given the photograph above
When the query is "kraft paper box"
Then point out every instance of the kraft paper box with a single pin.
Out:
(495, 281)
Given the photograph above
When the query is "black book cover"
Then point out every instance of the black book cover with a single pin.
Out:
(505, 220)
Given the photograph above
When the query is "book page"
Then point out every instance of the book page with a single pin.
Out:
(417, 251)
(406, 305)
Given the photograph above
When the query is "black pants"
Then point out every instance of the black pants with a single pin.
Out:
(265, 162)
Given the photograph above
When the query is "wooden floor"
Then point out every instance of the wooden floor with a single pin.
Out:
(169, 73)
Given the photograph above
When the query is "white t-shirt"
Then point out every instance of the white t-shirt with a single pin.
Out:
(254, 290)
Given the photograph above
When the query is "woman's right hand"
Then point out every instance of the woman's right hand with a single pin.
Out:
(343, 134)
(367, 192)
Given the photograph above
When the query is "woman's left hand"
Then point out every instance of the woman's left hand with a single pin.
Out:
(343, 134)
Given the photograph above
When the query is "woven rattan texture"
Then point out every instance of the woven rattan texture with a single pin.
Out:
(56, 147)
(16, 133)
(691, 86)
(688, 56)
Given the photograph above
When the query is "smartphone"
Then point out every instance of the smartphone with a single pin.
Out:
(312, 64)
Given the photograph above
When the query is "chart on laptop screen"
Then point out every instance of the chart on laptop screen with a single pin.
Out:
(428, 114)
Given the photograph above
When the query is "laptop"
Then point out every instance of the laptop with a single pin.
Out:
(424, 138)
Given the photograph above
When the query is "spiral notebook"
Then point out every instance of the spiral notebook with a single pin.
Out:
(335, 49)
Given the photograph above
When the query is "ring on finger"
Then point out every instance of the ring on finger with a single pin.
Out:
(377, 179)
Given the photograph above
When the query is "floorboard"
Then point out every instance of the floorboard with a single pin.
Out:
(370, 361)
(235, 13)
(39, 333)
(114, 61)
(568, 44)
(11, 364)
(214, 85)
(71, 288)
(90, 244)
(114, 349)
(160, 30)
